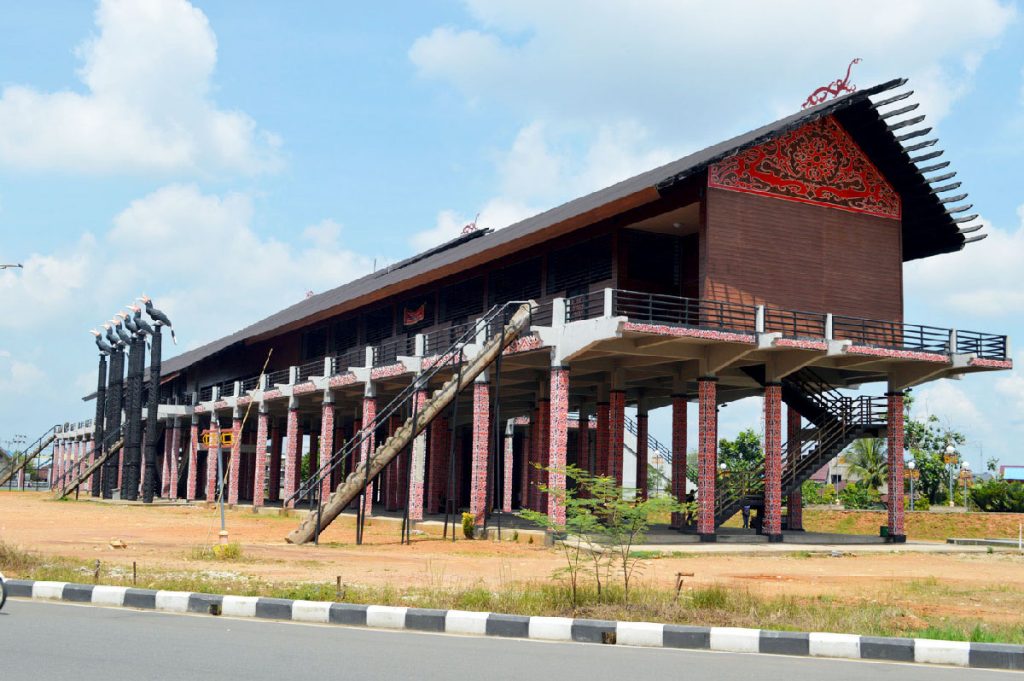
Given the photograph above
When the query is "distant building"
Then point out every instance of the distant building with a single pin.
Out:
(1012, 472)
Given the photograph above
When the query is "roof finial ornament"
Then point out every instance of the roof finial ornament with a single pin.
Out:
(834, 88)
(471, 227)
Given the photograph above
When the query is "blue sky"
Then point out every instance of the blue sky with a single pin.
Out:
(227, 158)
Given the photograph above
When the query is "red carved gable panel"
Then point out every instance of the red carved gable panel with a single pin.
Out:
(816, 163)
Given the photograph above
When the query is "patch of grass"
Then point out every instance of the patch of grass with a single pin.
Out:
(223, 552)
(647, 555)
(710, 598)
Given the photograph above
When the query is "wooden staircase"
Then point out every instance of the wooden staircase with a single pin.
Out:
(467, 369)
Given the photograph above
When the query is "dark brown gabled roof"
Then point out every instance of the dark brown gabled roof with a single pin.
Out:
(928, 228)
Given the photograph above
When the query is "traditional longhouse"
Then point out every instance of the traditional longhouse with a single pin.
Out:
(767, 265)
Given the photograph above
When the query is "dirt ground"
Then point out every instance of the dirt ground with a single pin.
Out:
(957, 584)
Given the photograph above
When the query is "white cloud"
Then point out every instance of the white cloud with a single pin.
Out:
(19, 377)
(196, 254)
(685, 63)
(950, 404)
(544, 167)
(146, 105)
(1011, 387)
(982, 281)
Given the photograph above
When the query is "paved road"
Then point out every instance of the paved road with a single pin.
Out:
(58, 641)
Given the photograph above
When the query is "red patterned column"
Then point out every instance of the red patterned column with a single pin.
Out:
(583, 442)
(417, 476)
(236, 457)
(603, 430)
(795, 502)
(326, 443)
(641, 455)
(292, 452)
(481, 440)
(616, 433)
(772, 526)
(212, 457)
(679, 406)
(76, 460)
(524, 468)
(259, 485)
(120, 468)
(707, 456)
(21, 478)
(509, 441)
(895, 480)
(438, 479)
(193, 461)
(367, 446)
(165, 468)
(543, 454)
(172, 465)
(559, 440)
(532, 458)
(276, 447)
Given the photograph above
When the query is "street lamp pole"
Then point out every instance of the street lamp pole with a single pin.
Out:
(911, 465)
(950, 458)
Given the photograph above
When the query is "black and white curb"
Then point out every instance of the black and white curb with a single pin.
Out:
(727, 639)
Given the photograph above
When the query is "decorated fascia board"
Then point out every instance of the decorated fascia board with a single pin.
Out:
(816, 163)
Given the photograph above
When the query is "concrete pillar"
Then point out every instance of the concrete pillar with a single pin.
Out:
(259, 485)
(795, 502)
(437, 480)
(367, 446)
(276, 447)
(417, 476)
(21, 479)
(212, 458)
(558, 441)
(326, 442)
(236, 456)
(293, 453)
(172, 469)
(707, 435)
(481, 442)
(616, 433)
(506, 478)
(641, 452)
(680, 404)
(193, 460)
(895, 480)
(603, 416)
(772, 523)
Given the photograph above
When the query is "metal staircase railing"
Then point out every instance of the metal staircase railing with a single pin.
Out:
(655, 445)
(27, 454)
(499, 327)
(73, 481)
(838, 419)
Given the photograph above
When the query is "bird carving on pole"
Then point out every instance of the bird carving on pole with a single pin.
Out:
(157, 316)
(140, 323)
(126, 338)
(129, 322)
(104, 347)
(111, 335)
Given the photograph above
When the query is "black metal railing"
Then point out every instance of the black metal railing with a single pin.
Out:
(314, 367)
(388, 352)
(692, 312)
(984, 345)
(251, 383)
(206, 393)
(353, 357)
(794, 323)
(279, 377)
(891, 335)
(584, 306)
(441, 339)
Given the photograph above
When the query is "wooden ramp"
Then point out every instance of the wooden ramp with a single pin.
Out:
(394, 445)
(89, 470)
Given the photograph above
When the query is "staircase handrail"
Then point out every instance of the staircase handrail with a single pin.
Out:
(419, 382)
(28, 453)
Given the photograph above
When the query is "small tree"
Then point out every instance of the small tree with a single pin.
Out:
(602, 523)
(867, 461)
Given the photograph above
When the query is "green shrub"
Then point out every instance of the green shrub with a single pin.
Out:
(817, 493)
(226, 552)
(859, 496)
(468, 525)
(998, 496)
(920, 504)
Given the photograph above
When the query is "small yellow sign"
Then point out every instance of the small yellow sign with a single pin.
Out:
(950, 458)
(227, 438)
